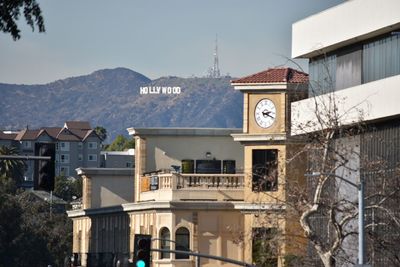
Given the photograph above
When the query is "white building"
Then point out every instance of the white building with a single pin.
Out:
(354, 63)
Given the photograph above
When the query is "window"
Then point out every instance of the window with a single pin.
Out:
(80, 157)
(129, 164)
(349, 68)
(92, 157)
(182, 239)
(64, 158)
(64, 171)
(92, 145)
(80, 145)
(64, 146)
(264, 245)
(265, 169)
(322, 75)
(165, 237)
(27, 144)
(381, 58)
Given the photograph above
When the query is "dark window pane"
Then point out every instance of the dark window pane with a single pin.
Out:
(265, 169)
(182, 242)
(264, 247)
(165, 236)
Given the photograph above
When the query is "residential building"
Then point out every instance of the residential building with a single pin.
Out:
(354, 64)
(76, 145)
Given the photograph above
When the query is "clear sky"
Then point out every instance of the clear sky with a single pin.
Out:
(154, 37)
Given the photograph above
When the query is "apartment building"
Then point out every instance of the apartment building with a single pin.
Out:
(76, 145)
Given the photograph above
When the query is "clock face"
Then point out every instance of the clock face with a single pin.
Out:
(265, 113)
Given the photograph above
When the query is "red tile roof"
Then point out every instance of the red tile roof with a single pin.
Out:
(275, 75)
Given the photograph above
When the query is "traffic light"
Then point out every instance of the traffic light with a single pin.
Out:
(141, 251)
(44, 171)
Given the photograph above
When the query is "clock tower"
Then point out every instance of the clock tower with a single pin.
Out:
(267, 96)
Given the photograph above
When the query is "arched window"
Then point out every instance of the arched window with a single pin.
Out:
(182, 239)
(165, 236)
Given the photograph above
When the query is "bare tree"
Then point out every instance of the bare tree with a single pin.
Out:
(337, 152)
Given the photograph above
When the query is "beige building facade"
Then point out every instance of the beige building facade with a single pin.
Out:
(268, 148)
(220, 192)
(187, 187)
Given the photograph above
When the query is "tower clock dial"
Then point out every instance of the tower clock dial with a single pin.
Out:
(265, 113)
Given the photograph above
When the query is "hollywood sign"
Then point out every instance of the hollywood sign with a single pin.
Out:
(156, 90)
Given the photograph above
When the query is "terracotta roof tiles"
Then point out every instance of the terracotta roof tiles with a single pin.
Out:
(275, 75)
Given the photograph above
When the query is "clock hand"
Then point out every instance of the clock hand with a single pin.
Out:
(268, 114)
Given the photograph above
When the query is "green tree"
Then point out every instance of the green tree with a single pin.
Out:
(11, 170)
(121, 143)
(67, 188)
(29, 236)
(101, 132)
(10, 12)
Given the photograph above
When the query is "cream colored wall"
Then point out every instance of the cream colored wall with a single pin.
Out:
(211, 232)
(219, 233)
(279, 100)
(81, 237)
(111, 190)
(245, 112)
(164, 151)
(140, 163)
(267, 220)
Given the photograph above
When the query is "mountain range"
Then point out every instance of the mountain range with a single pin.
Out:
(115, 100)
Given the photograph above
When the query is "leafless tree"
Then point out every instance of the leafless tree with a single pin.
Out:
(337, 151)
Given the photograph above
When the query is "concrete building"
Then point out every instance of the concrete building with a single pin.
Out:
(354, 64)
(268, 147)
(187, 186)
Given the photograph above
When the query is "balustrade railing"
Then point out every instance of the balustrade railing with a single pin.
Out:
(192, 181)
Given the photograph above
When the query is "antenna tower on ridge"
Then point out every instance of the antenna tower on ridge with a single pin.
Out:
(214, 71)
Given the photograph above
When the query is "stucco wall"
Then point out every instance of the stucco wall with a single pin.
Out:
(164, 151)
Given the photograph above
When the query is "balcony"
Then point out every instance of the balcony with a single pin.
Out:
(192, 187)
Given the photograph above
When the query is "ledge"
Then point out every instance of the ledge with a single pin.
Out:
(182, 131)
(258, 137)
(106, 171)
(178, 205)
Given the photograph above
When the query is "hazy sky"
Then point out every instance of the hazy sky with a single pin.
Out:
(155, 38)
